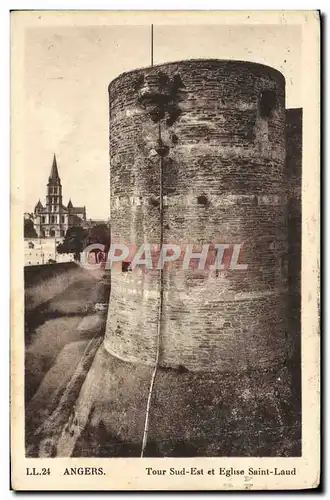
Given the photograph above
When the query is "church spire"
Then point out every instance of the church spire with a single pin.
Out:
(54, 172)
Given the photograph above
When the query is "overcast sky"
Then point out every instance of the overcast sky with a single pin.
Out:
(67, 72)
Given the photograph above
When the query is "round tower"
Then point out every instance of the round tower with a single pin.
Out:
(197, 152)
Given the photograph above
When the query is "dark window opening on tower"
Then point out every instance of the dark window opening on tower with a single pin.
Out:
(174, 138)
(125, 267)
(268, 103)
(202, 200)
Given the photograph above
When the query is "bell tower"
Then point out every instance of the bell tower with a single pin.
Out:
(54, 188)
(54, 200)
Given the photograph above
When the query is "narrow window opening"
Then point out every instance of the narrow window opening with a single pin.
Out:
(268, 103)
(174, 138)
(202, 200)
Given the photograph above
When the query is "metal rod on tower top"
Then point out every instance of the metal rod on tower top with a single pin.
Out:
(152, 45)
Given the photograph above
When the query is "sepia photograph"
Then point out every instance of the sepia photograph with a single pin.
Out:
(158, 197)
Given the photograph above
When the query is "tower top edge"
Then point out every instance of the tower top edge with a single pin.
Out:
(230, 63)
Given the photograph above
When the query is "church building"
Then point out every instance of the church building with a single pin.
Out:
(54, 219)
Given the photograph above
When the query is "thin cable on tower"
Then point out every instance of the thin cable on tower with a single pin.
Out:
(160, 307)
(152, 46)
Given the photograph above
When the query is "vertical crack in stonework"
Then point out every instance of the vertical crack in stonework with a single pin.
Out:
(161, 299)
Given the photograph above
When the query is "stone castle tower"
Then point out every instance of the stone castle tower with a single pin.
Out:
(194, 360)
(54, 219)
(197, 152)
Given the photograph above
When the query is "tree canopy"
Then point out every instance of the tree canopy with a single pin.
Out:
(73, 242)
(77, 238)
(99, 233)
(29, 231)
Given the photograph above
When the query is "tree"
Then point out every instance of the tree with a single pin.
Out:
(73, 242)
(29, 231)
(100, 233)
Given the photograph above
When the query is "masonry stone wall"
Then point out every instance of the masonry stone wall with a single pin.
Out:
(293, 167)
(294, 176)
(197, 152)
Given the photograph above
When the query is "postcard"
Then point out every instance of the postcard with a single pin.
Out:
(165, 179)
